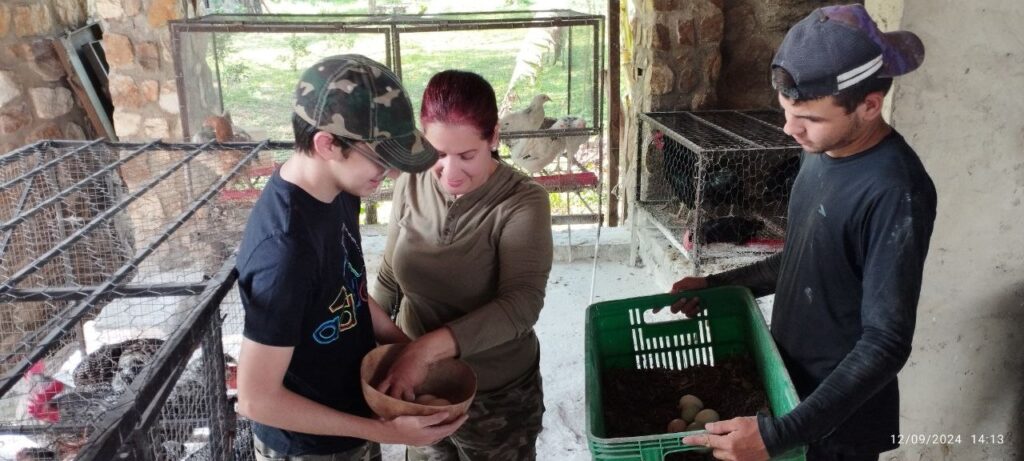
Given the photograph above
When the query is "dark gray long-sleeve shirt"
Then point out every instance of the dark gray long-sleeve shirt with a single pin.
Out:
(846, 290)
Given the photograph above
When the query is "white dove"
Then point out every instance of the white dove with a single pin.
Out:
(533, 154)
(526, 119)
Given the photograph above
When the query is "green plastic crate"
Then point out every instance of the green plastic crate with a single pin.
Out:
(618, 336)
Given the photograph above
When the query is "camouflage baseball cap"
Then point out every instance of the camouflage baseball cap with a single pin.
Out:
(358, 98)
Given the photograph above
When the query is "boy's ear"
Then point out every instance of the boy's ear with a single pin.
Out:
(323, 146)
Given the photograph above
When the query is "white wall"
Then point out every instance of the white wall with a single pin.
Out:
(963, 111)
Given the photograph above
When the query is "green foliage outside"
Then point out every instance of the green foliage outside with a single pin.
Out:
(258, 72)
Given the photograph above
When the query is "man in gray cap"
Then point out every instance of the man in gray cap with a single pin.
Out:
(302, 280)
(848, 280)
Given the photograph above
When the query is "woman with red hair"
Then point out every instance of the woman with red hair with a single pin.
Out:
(466, 265)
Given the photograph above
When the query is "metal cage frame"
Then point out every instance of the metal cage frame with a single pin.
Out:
(392, 26)
(764, 134)
(121, 431)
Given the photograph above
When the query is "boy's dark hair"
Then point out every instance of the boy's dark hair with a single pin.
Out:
(848, 99)
(304, 133)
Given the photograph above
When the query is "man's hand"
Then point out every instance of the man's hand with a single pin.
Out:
(734, 440)
(688, 306)
(419, 430)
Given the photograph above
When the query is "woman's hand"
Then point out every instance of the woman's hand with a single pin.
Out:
(408, 371)
(410, 368)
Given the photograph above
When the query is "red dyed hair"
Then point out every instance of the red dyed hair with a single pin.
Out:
(460, 98)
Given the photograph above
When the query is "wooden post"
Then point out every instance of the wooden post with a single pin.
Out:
(614, 112)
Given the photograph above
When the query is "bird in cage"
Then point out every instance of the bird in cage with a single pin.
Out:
(104, 363)
(75, 409)
(721, 185)
(781, 177)
(220, 128)
(528, 119)
(100, 382)
(533, 154)
(736, 230)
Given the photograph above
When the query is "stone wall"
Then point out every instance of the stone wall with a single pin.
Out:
(137, 43)
(35, 99)
(676, 54)
(753, 30)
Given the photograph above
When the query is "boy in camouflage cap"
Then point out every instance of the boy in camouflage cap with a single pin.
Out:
(302, 280)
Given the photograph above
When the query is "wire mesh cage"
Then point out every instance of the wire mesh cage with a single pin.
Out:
(717, 183)
(114, 260)
(524, 54)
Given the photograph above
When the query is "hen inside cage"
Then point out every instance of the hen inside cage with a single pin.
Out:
(719, 180)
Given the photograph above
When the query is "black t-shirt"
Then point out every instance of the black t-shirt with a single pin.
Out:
(302, 283)
(848, 286)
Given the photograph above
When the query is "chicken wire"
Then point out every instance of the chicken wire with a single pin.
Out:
(717, 183)
(114, 260)
(522, 53)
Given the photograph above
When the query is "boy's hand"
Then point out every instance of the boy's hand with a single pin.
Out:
(420, 430)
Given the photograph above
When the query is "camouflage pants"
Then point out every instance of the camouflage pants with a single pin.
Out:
(503, 425)
(369, 451)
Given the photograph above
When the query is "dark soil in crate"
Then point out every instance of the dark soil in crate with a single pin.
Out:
(642, 402)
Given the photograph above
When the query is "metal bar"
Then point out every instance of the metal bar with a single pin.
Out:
(568, 75)
(383, 26)
(724, 131)
(40, 168)
(698, 197)
(15, 220)
(614, 111)
(599, 115)
(551, 133)
(50, 180)
(597, 90)
(179, 79)
(561, 220)
(672, 239)
(634, 227)
(21, 151)
(221, 418)
(264, 17)
(150, 390)
(216, 66)
(37, 264)
(446, 19)
(767, 124)
(71, 293)
(17, 209)
(397, 50)
(59, 325)
(387, 50)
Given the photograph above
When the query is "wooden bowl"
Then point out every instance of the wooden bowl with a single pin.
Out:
(450, 379)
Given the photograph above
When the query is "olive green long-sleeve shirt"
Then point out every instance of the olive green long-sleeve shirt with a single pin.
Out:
(478, 264)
